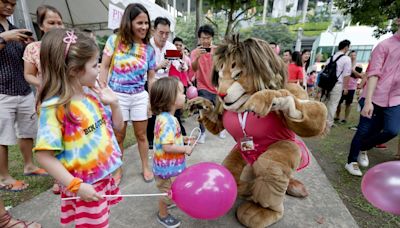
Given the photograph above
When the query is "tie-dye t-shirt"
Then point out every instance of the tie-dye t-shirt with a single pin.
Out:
(84, 143)
(167, 131)
(131, 63)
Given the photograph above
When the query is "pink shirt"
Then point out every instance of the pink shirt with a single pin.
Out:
(352, 84)
(265, 132)
(203, 73)
(385, 64)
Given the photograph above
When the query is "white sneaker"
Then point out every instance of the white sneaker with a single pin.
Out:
(202, 138)
(222, 134)
(363, 159)
(353, 169)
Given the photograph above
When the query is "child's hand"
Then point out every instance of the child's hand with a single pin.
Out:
(188, 140)
(188, 150)
(88, 193)
(106, 95)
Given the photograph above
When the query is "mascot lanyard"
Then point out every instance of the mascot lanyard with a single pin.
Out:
(246, 143)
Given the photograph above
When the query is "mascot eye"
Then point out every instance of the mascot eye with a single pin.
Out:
(233, 65)
(237, 76)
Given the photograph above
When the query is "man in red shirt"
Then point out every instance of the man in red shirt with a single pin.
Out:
(202, 64)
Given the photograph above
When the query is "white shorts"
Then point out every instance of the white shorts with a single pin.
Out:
(18, 118)
(134, 106)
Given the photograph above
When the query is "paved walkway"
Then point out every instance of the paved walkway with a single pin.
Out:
(322, 208)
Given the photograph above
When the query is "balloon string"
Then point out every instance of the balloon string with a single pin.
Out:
(191, 136)
(128, 195)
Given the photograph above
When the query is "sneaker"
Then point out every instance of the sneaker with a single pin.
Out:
(169, 221)
(336, 119)
(381, 146)
(354, 128)
(171, 206)
(222, 134)
(202, 138)
(353, 169)
(343, 121)
(363, 159)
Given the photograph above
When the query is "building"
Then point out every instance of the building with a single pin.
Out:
(361, 37)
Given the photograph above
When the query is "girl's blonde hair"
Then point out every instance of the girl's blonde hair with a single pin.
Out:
(61, 62)
(163, 94)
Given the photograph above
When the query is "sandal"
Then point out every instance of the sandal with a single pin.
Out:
(6, 219)
(17, 186)
(37, 172)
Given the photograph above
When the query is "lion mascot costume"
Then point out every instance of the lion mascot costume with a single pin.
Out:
(265, 115)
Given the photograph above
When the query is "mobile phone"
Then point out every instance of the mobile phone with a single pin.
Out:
(173, 54)
(28, 33)
(207, 49)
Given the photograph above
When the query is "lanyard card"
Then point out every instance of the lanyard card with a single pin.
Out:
(247, 143)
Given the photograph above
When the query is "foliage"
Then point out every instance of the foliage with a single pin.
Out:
(371, 12)
(186, 31)
(235, 11)
(310, 28)
(272, 33)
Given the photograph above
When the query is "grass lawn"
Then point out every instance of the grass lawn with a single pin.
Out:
(331, 153)
(37, 184)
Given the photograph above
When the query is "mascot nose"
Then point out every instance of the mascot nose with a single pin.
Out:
(222, 95)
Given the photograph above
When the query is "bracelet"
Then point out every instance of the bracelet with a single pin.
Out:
(74, 185)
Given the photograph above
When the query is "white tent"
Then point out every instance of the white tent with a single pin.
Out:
(93, 14)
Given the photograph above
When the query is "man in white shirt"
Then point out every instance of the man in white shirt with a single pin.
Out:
(160, 43)
(343, 72)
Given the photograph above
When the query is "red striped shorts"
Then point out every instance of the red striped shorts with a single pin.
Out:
(90, 214)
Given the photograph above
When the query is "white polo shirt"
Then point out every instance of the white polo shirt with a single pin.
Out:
(160, 53)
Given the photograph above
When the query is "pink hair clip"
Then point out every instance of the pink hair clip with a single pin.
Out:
(69, 39)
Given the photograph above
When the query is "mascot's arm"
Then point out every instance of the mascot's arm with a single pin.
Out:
(209, 115)
(306, 118)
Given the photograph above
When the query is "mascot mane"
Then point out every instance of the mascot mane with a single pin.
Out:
(255, 58)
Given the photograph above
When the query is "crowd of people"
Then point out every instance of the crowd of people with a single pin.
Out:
(81, 114)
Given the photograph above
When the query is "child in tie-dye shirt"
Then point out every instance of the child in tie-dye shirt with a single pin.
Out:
(75, 141)
(169, 150)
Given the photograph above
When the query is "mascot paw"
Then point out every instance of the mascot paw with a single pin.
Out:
(296, 189)
(261, 102)
(253, 215)
(200, 104)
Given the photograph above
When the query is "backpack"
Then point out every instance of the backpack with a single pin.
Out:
(327, 78)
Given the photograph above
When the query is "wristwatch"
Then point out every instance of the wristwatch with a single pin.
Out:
(2, 41)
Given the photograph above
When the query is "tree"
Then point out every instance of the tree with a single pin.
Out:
(371, 12)
(270, 32)
(235, 11)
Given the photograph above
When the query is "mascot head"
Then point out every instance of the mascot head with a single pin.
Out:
(245, 67)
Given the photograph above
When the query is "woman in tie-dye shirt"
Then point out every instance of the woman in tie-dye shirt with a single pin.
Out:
(127, 58)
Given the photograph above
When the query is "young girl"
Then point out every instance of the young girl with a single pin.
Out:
(75, 141)
(48, 18)
(166, 95)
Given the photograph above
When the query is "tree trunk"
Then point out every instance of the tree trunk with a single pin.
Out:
(230, 19)
(199, 9)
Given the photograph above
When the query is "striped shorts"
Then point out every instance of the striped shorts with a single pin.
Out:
(89, 214)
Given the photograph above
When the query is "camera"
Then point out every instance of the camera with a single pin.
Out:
(173, 54)
(28, 33)
(207, 49)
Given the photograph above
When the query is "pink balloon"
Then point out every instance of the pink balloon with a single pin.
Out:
(381, 186)
(191, 92)
(204, 191)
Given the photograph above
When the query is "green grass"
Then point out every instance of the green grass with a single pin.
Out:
(37, 184)
(331, 153)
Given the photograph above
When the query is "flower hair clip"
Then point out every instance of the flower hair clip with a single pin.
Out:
(69, 39)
